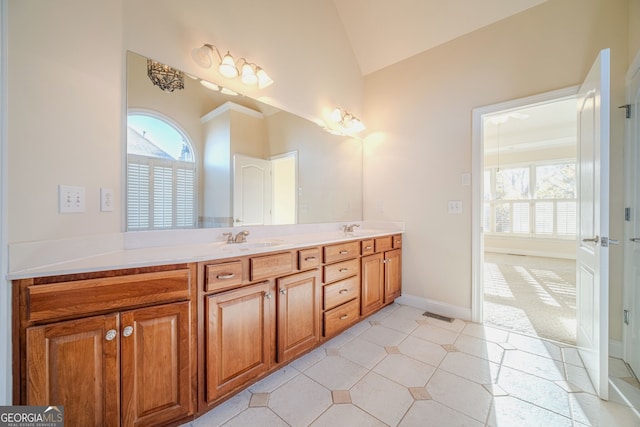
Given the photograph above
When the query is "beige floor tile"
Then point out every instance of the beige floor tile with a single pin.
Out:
(432, 413)
(341, 396)
(363, 352)
(533, 389)
(259, 399)
(592, 411)
(509, 411)
(404, 370)
(336, 373)
(263, 417)
(470, 367)
(480, 348)
(382, 398)
(422, 350)
(435, 334)
(346, 415)
(485, 332)
(383, 336)
(225, 411)
(460, 394)
(300, 401)
(542, 367)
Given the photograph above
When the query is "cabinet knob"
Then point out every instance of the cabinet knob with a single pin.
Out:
(110, 335)
(127, 331)
(267, 296)
(283, 291)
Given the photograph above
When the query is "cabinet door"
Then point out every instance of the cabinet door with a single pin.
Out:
(156, 364)
(392, 275)
(75, 364)
(238, 338)
(372, 296)
(298, 313)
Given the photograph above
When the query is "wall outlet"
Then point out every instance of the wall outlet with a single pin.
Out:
(71, 199)
(106, 199)
(455, 207)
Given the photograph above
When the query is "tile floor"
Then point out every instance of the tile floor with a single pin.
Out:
(399, 368)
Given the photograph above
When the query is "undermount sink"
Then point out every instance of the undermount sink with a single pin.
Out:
(252, 244)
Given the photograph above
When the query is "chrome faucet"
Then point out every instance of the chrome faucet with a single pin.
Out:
(241, 237)
(349, 228)
(229, 237)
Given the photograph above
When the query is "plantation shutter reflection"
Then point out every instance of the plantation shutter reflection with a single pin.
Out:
(137, 196)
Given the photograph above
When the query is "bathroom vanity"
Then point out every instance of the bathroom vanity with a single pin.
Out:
(157, 342)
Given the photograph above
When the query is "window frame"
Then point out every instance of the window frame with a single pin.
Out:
(490, 204)
(176, 166)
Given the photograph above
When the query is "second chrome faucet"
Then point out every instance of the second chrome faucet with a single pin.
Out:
(241, 237)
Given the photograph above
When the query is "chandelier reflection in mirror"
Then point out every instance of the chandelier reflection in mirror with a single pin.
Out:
(250, 74)
(166, 78)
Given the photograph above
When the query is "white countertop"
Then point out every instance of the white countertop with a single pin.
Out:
(129, 250)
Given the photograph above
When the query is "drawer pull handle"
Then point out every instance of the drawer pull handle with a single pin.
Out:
(368, 247)
(225, 276)
(343, 291)
(343, 270)
(344, 252)
(110, 335)
(283, 291)
(344, 316)
(127, 331)
(310, 258)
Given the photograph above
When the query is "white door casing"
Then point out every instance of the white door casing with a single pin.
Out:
(631, 291)
(592, 261)
(251, 191)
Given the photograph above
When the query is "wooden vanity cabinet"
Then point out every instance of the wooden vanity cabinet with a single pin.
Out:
(341, 290)
(128, 366)
(381, 274)
(238, 338)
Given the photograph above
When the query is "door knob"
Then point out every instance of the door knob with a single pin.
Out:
(592, 240)
(635, 239)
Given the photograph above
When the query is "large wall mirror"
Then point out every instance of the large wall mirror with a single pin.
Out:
(203, 156)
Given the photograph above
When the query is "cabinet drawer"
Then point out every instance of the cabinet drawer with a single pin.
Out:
(341, 292)
(397, 241)
(367, 247)
(223, 276)
(384, 243)
(341, 251)
(93, 296)
(341, 270)
(271, 266)
(341, 317)
(308, 258)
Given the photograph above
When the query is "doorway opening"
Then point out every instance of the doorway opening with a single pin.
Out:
(528, 193)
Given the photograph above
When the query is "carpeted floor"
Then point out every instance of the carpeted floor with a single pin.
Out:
(531, 295)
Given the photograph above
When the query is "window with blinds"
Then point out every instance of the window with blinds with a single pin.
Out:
(535, 200)
(161, 175)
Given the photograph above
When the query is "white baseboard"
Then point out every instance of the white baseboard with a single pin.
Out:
(615, 349)
(436, 307)
(526, 252)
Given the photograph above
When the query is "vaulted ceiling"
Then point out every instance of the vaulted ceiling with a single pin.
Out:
(383, 32)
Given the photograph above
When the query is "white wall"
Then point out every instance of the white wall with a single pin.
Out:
(422, 107)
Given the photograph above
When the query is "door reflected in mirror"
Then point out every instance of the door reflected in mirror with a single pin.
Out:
(203, 158)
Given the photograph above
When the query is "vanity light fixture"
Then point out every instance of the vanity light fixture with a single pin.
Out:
(250, 74)
(344, 123)
(166, 78)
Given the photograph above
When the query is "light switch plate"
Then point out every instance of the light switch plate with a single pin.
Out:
(106, 199)
(71, 199)
(455, 207)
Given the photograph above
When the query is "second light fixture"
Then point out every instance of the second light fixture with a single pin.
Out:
(250, 73)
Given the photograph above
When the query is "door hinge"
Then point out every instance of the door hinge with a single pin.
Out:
(627, 214)
(626, 317)
(627, 108)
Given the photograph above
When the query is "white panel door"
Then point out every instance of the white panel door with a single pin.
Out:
(632, 250)
(251, 191)
(592, 263)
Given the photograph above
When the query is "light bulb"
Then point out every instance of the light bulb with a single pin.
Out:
(263, 79)
(248, 75)
(336, 116)
(203, 56)
(228, 67)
